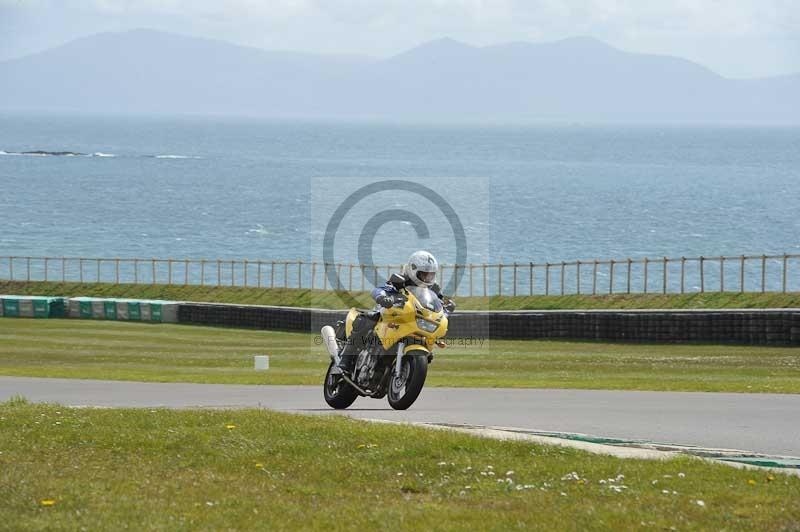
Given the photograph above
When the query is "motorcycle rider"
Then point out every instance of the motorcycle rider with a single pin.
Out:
(420, 270)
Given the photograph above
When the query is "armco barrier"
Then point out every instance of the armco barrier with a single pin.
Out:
(734, 326)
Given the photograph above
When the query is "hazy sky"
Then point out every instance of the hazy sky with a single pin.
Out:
(737, 38)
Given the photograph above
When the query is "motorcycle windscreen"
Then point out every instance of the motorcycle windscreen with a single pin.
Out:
(426, 298)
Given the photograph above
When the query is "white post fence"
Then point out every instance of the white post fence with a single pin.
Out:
(664, 275)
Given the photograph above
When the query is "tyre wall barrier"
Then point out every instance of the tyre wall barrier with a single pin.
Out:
(750, 327)
(747, 326)
(258, 317)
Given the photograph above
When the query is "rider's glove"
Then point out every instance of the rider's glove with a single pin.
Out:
(385, 300)
(449, 305)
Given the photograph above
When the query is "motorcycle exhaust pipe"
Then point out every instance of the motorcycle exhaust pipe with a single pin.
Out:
(329, 339)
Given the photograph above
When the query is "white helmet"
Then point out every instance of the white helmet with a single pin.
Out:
(421, 268)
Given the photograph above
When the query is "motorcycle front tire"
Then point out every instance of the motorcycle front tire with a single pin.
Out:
(403, 394)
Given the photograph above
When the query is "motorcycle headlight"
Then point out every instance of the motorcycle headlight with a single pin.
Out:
(427, 326)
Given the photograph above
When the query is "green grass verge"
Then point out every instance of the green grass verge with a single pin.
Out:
(184, 353)
(114, 469)
(327, 299)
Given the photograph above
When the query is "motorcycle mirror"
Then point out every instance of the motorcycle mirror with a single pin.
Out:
(396, 279)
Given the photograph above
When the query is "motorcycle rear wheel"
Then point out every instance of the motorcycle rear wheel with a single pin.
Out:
(338, 393)
(406, 387)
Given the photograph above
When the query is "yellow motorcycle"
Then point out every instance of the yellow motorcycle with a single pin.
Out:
(396, 351)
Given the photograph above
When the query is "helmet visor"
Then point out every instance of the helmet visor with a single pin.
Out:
(426, 277)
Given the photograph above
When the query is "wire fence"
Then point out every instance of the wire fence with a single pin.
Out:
(743, 273)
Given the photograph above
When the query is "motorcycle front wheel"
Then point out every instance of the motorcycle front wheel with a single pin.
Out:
(338, 393)
(406, 387)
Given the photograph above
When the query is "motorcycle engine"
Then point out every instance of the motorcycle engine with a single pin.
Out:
(366, 364)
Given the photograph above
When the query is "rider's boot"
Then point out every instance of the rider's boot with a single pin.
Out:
(347, 358)
(356, 343)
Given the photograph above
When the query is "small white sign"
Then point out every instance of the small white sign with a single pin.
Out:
(261, 362)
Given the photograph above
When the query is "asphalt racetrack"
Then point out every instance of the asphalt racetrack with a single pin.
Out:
(762, 423)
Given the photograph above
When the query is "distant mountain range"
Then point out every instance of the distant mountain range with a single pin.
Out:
(576, 79)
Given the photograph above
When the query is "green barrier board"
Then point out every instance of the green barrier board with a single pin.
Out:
(11, 308)
(86, 308)
(110, 310)
(122, 309)
(156, 312)
(89, 308)
(31, 306)
(134, 311)
(41, 309)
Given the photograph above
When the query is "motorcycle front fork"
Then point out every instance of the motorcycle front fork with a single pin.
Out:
(398, 363)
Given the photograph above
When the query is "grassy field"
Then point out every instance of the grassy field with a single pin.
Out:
(184, 353)
(323, 299)
(110, 469)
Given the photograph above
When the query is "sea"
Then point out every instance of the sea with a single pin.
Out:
(236, 188)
